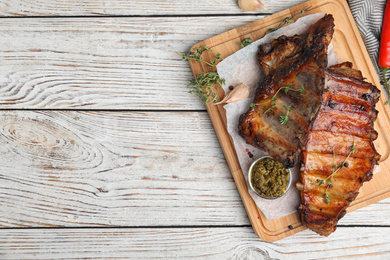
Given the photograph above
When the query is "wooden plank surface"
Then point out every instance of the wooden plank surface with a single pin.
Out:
(130, 8)
(189, 243)
(159, 174)
(101, 63)
(74, 169)
(121, 169)
(349, 47)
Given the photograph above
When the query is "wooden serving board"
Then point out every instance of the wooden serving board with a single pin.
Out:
(349, 47)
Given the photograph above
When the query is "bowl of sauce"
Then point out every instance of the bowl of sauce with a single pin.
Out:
(268, 178)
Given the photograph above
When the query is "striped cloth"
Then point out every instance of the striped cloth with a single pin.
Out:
(368, 15)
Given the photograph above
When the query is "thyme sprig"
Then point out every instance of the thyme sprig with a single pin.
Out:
(386, 82)
(287, 20)
(282, 118)
(206, 84)
(329, 180)
(245, 42)
(197, 56)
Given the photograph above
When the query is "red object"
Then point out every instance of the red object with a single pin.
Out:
(384, 51)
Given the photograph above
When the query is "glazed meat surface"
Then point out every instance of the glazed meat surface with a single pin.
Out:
(339, 154)
(292, 88)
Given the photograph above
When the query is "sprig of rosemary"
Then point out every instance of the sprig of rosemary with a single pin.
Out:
(329, 180)
(287, 20)
(282, 118)
(245, 42)
(206, 84)
(197, 56)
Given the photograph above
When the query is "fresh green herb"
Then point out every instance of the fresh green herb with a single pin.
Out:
(329, 180)
(283, 118)
(270, 108)
(245, 42)
(353, 148)
(327, 198)
(287, 20)
(302, 89)
(287, 88)
(205, 86)
(197, 56)
(386, 82)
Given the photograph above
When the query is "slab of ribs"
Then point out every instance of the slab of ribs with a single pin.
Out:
(326, 115)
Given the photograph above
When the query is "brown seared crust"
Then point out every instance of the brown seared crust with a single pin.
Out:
(345, 69)
(346, 117)
(288, 61)
(282, 53)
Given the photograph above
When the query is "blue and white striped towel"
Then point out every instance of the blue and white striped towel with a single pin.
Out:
(368, 15)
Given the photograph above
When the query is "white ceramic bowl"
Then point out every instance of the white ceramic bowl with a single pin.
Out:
(250, 176)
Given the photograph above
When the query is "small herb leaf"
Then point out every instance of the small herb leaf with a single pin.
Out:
(245, 42)
(270, 108)
(302, 89)
(327, 198)
(287, 20)
(287, 88)
(205, 84)
(283, 119)
(353, 148)
(329, 180)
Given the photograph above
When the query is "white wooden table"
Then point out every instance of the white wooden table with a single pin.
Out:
(104, 153)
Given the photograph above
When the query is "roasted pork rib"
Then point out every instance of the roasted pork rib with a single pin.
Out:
(339, 154)
(330, 116)
(292, 88)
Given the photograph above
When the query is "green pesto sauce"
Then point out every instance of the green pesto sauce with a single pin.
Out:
(269, 178)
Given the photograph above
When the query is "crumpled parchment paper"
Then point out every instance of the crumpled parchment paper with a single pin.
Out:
(243, 67)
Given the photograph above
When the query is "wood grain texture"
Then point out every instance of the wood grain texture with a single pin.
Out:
(190, 243)
(139, 7)
(371, 215)
(101, 63)
(346, 39)
(68, 168)
(128, 169)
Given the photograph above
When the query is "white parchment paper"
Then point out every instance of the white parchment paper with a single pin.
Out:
(243, 67)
